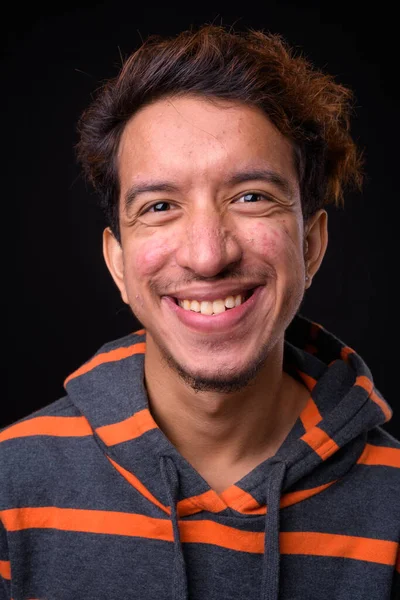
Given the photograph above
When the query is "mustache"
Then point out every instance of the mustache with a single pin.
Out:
(164, 286)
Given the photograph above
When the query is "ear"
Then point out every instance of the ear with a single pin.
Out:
(315, 243)
(114, 258)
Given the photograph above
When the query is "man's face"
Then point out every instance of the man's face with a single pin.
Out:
(210, 221)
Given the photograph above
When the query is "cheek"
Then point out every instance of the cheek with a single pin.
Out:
(271, 242)
(151, 255)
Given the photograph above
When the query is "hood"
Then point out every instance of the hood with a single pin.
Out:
(327, 439)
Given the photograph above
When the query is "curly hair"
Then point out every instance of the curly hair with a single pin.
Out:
(252, 67)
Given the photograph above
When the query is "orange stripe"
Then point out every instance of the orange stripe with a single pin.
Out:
(308, 381)
(345, 353)
(380, 455)
(89, 521)
(139, 332)
(295, 497)
(341, 546)
(206, 532)
(54, 426)
(138, 485)
(310, 415)
(367, 385)
(207, 501)
(398, 561)
(106, 357)
(320, 442)
(209, 532)
(128, 429)
(253, 507)
(242, 501)
(5, 569)
(387, 411)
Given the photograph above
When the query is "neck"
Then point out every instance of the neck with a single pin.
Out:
(227, 433)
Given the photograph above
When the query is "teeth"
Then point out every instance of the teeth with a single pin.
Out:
(195, 306)
(214, 307)
(218, 306)
(206, 308)
(230, 302)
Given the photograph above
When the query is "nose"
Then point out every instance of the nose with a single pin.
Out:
(208, 246)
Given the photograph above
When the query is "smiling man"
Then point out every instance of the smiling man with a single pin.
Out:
(231, 448)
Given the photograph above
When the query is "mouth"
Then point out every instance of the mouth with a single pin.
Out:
(215, 315)
(214, 307)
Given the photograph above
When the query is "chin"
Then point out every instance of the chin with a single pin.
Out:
(218, 378)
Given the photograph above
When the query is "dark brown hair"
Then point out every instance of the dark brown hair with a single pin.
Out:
(252, 67)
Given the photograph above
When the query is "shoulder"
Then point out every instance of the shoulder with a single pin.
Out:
(36, 451)
(62, 407)
(22, 439)
(379, 464)
(50, 420)
(381, 450)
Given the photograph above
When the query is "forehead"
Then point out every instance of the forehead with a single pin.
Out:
(195, 140)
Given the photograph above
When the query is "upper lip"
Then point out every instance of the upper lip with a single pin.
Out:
(214, 292)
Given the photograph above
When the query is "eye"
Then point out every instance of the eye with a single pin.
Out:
(159, 207)
(250, 197)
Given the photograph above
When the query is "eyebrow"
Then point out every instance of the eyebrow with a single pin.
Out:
(148, 186)
(238, 177)
(264, 175)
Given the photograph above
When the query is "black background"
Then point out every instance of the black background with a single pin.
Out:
(61, 302)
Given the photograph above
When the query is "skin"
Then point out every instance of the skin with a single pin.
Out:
(199, 234)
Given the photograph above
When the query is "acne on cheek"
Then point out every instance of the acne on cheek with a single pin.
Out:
(272, 241)
(266, 241)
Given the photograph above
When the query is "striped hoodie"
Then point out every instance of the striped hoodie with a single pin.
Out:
(97, 504)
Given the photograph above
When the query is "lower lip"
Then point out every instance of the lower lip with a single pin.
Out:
(213, 323)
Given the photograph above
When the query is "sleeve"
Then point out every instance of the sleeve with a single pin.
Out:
(395, 595)
(5, 567)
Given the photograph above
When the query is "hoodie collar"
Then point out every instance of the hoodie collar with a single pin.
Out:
(325, 442)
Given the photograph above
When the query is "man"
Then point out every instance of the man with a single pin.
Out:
(231, 448)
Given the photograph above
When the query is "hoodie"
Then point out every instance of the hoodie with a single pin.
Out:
(97, 504)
